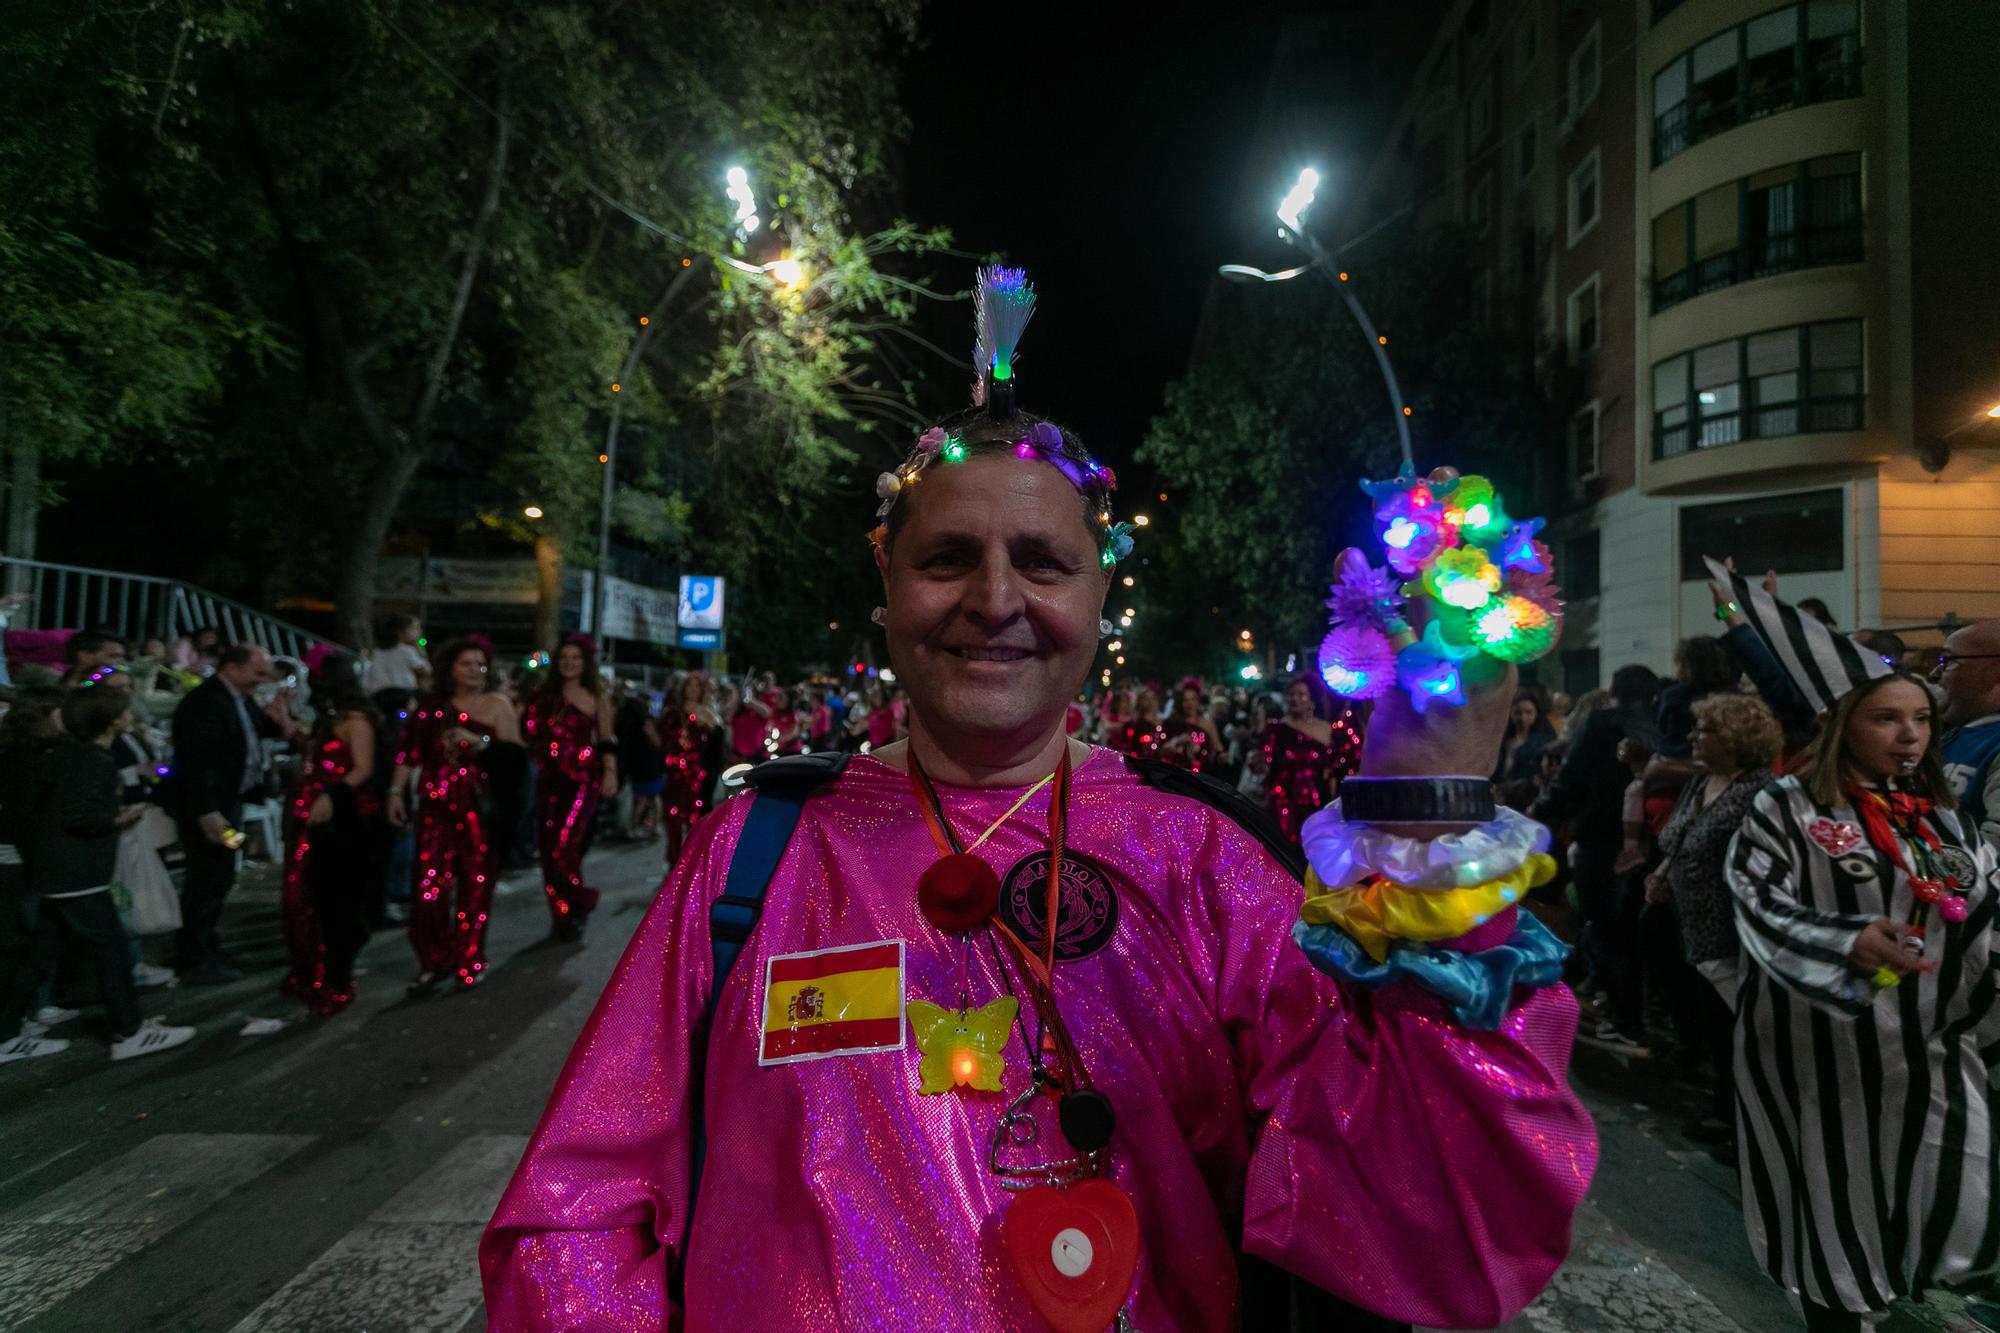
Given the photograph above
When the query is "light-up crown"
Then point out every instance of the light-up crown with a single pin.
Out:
(1003, 301)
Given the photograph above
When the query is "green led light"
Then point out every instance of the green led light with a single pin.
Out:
(1003, 370)
(954, 452)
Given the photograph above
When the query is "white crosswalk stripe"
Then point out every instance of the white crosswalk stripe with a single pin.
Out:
(60, 1240)
(413, 1266)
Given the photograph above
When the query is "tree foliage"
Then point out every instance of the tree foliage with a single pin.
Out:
(448, 219)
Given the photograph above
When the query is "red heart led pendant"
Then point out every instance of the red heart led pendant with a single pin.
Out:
(1075, 1251)
(958, 893)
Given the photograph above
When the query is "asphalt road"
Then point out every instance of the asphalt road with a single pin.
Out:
(335, 1175)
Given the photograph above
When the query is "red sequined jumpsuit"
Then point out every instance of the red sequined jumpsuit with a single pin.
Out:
(455, 863)
(1141, 739)
(326, 868)
(685, 799)
(1196, 754)
(569, 778)
(1300, 769)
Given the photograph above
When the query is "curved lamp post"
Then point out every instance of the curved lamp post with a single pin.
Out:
(1290, 210)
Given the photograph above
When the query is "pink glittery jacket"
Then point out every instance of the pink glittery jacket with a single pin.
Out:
(1368, 1143)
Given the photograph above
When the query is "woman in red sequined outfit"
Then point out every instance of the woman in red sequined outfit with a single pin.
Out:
(1192, 742)
(691, 735)
(568, 730)
(329, 829)
(1304, 757)
(1143, 735)
(457, 861)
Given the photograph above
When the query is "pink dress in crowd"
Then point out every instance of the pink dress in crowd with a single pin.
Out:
(456, 863)
(569, 778)
(1368, 1142)
(1299, 769)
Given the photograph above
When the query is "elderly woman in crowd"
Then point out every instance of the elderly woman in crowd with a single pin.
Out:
(1735, 739)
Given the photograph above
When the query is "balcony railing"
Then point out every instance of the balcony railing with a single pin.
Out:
(1761, 259)
(1834, 74)
(1723, 429)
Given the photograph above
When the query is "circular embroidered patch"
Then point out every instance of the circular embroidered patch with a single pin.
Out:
(1959, 866)
(1089, 913)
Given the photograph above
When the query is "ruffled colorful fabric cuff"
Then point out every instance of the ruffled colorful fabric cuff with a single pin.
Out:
(1344, 853)
(1378, 913)
(1477, 987)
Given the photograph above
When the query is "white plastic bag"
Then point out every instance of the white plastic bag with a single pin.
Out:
(155, 908)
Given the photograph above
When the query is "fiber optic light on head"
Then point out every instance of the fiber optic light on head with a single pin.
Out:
(1480, 579)
(1003, 300)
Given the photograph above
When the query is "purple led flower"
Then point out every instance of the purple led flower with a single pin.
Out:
(1365, 593)
(931, 441)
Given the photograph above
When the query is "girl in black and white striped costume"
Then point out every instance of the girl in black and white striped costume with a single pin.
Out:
(1866, 911)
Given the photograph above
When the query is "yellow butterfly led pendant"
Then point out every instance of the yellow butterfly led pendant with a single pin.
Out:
(961, 1048)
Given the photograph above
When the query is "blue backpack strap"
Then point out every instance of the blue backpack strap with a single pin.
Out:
(782, 786)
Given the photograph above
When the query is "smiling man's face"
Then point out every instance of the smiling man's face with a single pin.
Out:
(994, 588)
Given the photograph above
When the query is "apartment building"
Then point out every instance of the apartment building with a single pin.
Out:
(1758, 244)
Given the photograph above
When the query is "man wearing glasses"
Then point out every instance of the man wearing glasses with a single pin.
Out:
(1969, 673)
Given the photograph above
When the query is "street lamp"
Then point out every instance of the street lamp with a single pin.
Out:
(532, 511)
(1291, 213)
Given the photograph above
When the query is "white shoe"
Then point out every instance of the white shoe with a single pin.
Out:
(152, 1037)
(27, 1047)
(50, 1015)
(147, 976)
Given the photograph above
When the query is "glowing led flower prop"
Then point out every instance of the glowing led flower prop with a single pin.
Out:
(1514, 629)
(1476, 511)
(1463, 578)
(887, 485)
(1428, 669)
(932, 440)
(1364, 593)
(1357, 661)
(961, 1049)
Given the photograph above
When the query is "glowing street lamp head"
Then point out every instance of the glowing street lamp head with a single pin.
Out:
(532, 511)
(740, 194)
(1293, 206)
(788, 273)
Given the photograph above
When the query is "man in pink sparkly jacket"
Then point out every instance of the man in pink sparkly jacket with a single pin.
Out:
(1372, 1137)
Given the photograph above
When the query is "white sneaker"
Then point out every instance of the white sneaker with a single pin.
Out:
(152, 1037)
(50, 1015)
(147, 976)
(26, 1047)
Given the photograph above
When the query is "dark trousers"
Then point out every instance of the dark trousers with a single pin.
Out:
(17, 952)
(1718, 1024)
(93, 920)
(211, 874)
(1823, 1319)
(1609, 904)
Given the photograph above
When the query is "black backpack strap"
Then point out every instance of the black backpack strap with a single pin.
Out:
(782, 786)
(1225, 800)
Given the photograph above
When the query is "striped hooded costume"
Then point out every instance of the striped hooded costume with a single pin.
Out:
(1867, 1141)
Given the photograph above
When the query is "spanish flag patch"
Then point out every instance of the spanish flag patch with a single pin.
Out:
(844, 1001)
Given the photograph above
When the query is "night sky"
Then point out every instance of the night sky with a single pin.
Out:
(1142, 147)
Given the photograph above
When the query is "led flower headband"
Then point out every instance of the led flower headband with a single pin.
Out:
(1485, 579)
(1003, 301)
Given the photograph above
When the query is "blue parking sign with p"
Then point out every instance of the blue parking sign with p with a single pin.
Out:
(701, 601)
